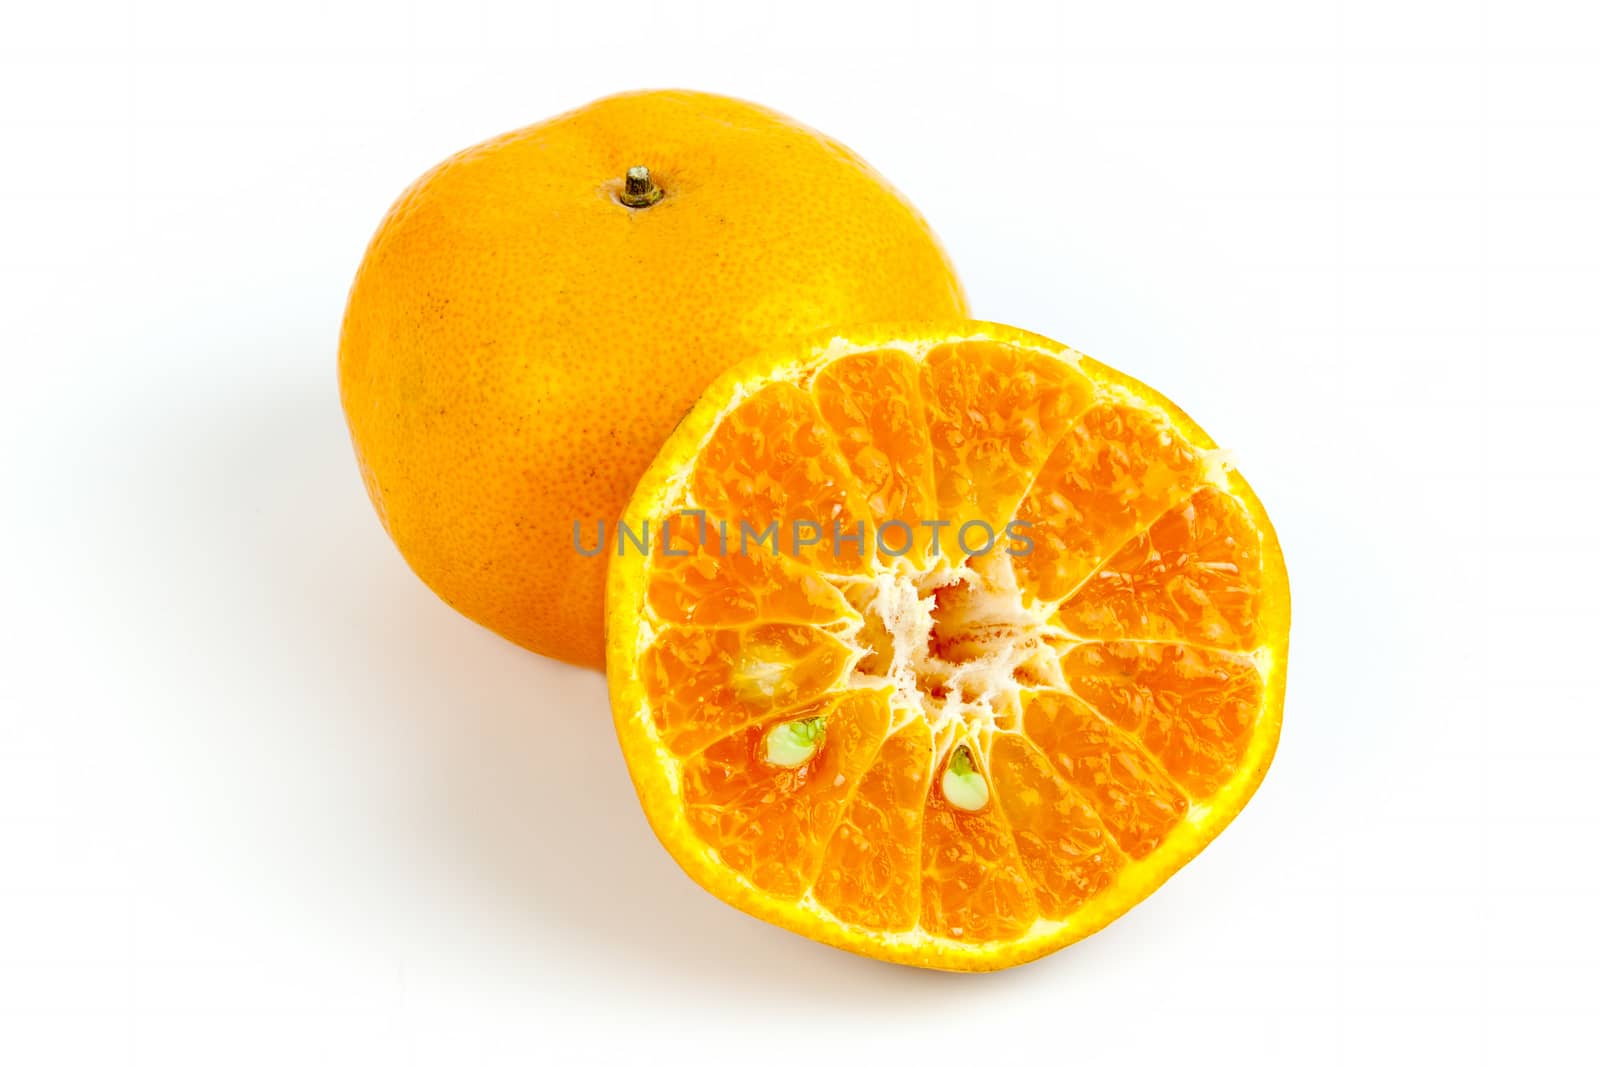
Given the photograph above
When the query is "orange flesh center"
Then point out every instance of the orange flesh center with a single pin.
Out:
(961, 743)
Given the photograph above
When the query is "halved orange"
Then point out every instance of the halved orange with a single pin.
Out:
(947, 645)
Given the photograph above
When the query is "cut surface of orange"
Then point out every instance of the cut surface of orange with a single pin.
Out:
(947, 644)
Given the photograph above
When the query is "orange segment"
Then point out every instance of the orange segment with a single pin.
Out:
(772, 466)
(712, 584)
(994, 412)
(1117, 469)
(973, 884)
(768, 822)
(1129, 792)
(1193, 576)
(704, 684)
(1062, 843)
(871, 403)
(963, 760)
(1192, 708)
(873, 866)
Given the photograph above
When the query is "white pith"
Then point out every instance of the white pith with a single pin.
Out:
(962, 665)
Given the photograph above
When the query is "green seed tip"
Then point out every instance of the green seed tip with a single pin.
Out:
(792, 744)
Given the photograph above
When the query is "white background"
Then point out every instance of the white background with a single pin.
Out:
(265, 800)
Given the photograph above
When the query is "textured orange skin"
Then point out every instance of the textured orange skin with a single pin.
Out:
(518, 344)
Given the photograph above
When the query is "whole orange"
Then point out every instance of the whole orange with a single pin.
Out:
(531, 321)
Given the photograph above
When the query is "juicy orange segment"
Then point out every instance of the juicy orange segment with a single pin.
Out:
(994, 412)
(1191, 708)
(1135, 801)
(870, 875)
(964, 757)
(1193, 576)
(770, 822)
(1062, 843)
(697, 581)
(872, 404)
(773, 471)
(1118, 467)
(973, 884)
(708, 683)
